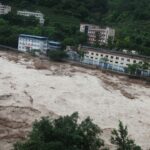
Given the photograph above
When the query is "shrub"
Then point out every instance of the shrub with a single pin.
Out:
(57, 55)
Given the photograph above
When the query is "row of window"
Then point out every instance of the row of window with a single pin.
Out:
(94, 34)
(25, 43)
(31, 14)
(115, 57)
(33, 47)
(93, 39)
(103, 32)
(22, 47)
(36, 42)
(116, 62)
(32, 44)
(28, 40)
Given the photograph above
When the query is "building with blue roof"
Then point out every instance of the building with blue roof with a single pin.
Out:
(54, 45)
(31, 42)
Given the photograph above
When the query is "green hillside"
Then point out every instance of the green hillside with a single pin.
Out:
(130, 18)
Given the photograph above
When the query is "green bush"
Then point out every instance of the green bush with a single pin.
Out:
(57, 55)
(121, 140)
(63, 133)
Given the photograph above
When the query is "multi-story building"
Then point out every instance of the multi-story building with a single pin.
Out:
(4, 9)
(38, 15)
(113, 59)
(97, 34)
(29, 42)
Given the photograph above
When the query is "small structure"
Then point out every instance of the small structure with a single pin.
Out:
(134, 52)
(4, 9)
(125, 51)
(54, 45)
(28, 43)
(72, 53)
(38, 15)
(95, 32)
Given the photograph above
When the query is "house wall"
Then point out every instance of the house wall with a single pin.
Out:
(38, 15)
(30, 43)
(104, 33)
(4, 9)
(112, 58)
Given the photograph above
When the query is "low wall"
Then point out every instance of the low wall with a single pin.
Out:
(7, 48)
(108, 71)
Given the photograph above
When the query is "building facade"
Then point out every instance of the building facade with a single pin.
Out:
(38, 15)
(4, 9)
(29, 42)
(111, 59)
(97, 34)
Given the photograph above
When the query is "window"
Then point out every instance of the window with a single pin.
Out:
(116, 62)
(112, 57)
(96, 54)
(92, 53)
(128, 60)
(107, 56)
(101, 55)
(134, 61)
(117, 57)
(122, 58)
(91, 57)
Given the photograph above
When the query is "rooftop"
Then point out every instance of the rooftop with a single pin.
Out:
(94, 26)
(33, 36)
(113, 52)
(54, 42)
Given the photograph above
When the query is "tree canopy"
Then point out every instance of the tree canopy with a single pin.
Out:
(64, 133)
(121, 139)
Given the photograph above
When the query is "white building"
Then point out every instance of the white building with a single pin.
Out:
(30, 42)
(94, 32)
(4, 9)
(38, 15)
(114, 59)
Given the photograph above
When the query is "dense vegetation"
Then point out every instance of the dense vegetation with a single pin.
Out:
(65, 133)
(130, 18)
(57, 55)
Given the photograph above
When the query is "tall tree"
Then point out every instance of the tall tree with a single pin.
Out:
(63, 133)
(121, 140)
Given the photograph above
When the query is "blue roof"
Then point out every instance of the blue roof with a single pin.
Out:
(33, 36)
(53, 42)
